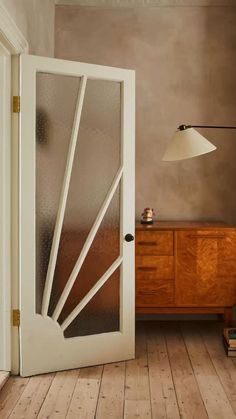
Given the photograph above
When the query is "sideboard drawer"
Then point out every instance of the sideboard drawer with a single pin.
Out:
(153, 267)
(154, 243)
(154, 292)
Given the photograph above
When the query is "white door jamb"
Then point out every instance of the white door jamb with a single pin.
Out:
(12, 43)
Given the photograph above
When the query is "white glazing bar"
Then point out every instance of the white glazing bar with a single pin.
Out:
(87, 246)
(91, 293)
(63, 197)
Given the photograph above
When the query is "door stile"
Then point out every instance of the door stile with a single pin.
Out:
(127, 287)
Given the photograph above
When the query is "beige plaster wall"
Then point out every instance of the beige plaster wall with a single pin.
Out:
(35, 19)
(184, 59)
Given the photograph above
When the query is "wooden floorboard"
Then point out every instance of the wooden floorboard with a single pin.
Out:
(162, 389)
(85, 397)
(57, 401)
(137, 402)
(32, 397)
(111, 397)
(188, 394)
(3, 378)
(180, 371)
(10, 395)
(224, 366)
(213, 395)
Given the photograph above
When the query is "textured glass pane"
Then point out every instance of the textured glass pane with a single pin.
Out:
(56, 97)
(104, 251)
(97, 160)
(101, 314)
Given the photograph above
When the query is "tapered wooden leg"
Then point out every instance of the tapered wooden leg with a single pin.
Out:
(229, 317)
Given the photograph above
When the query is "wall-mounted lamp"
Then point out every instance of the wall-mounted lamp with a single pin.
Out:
(188, 143)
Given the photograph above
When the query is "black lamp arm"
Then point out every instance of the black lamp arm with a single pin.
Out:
(183, 126)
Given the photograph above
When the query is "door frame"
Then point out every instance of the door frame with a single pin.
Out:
(12, 43)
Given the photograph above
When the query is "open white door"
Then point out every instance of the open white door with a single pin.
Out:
(76, 207)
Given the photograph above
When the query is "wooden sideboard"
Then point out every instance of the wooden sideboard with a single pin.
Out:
(186, 267)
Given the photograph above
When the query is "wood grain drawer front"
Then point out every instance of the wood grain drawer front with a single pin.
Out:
(154, 267)
(151, 293)
(154, 243)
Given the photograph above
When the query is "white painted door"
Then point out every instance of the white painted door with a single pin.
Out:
(76, 207)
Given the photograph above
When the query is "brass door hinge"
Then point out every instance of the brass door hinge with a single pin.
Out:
(16, 317)
(16, 104)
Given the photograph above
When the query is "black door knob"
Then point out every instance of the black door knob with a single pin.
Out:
(129, 237)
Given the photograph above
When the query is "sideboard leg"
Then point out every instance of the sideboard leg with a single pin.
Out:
(228, 317)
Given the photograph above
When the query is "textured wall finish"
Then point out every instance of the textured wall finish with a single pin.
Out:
(184, 59)
(158, 3)
(35, 19)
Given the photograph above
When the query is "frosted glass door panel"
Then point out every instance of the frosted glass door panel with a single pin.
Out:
(104, 250)
(56, 97)
(101, 314)
(96, 162)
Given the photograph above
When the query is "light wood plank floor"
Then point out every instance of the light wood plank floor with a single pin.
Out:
(180, 371)
(3, 378)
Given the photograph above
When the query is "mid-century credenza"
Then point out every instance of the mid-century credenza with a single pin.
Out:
(186, 267)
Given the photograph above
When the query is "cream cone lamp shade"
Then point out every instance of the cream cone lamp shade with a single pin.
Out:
(187, 143)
